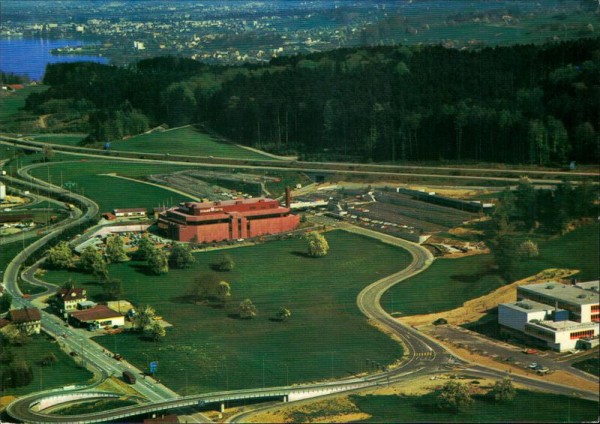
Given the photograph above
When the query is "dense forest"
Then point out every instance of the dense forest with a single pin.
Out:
(537, 104)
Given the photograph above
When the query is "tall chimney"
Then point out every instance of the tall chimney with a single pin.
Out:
(288, 197)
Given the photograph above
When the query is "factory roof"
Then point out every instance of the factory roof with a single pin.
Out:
(562, 292)
(528, 306)
(565, 325)
(589, 285)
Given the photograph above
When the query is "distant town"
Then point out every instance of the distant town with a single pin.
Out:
(250, 32)
(291, 212)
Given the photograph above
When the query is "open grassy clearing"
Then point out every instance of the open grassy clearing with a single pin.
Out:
(448, 283)
(445, 285)
(110, 192)
(62, 139)
(62, 373)
(184, 141)
(578, 249)
(527, 406)
(11, 104)
(9, 250)
(326, 335)
(91, 406)
(590, 365)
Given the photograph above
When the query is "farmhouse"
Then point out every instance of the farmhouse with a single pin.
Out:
(67, 299)
(96, 317)
(207, 222)
(27, 320)
(557, 315)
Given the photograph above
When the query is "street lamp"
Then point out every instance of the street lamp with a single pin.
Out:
(186, 379)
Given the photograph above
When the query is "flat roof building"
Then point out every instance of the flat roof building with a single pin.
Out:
(130, 212)
(555, 314)
(207, 222)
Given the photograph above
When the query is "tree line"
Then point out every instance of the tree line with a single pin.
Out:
(533, 104)
(527, 210)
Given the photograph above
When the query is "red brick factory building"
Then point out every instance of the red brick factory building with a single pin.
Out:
(208, 222)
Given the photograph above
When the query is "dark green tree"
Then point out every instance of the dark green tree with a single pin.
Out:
(115, 249)
(158, 262)
(5, 301)
(181, 256)
(60, 256)
(225, 264)
(504, 390)
(454, 396)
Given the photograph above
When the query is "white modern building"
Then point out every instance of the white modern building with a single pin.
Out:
(554, 314)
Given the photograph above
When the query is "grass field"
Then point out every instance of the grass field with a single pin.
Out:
(9, 250)
(184, 141)
(448, 283)
(64, 372)
(590, 365)
(13, 103)
(326, 335)
(578, 249)
(526, 407)
(62, 139)
(110, 192)
(93, 406)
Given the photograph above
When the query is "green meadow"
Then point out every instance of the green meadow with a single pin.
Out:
(185, 141)
(91, 179)
(527, 406)
(210, 348)
(63, 372)
(448, 283)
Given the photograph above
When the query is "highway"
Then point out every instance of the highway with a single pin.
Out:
(423, 355)
(87, 350)
(501, 176)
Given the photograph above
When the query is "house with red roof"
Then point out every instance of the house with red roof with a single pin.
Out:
(27, 320)
(96, 317)
(67, 299)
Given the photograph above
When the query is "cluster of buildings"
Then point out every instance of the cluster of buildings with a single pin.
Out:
(74, 305)
(555, 315)
(208, 222)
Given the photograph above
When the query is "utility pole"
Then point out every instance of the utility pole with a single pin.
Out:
(332, 364)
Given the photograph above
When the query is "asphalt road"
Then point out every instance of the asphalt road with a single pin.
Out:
(424, 355)
(334, 168)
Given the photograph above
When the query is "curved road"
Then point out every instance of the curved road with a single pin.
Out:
(424, 355)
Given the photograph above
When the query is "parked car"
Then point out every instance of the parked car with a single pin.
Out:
(530, 351)
(533, 365)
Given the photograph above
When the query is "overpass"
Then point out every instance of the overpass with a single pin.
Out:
(28, 408)
(418, 346)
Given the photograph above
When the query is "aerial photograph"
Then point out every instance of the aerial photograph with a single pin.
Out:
(299, 211)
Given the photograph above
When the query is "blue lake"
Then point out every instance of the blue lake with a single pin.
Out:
(27, 56)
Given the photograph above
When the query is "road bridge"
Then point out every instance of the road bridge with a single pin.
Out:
(418, 346)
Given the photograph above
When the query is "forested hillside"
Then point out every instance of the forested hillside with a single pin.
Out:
(520, 104)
